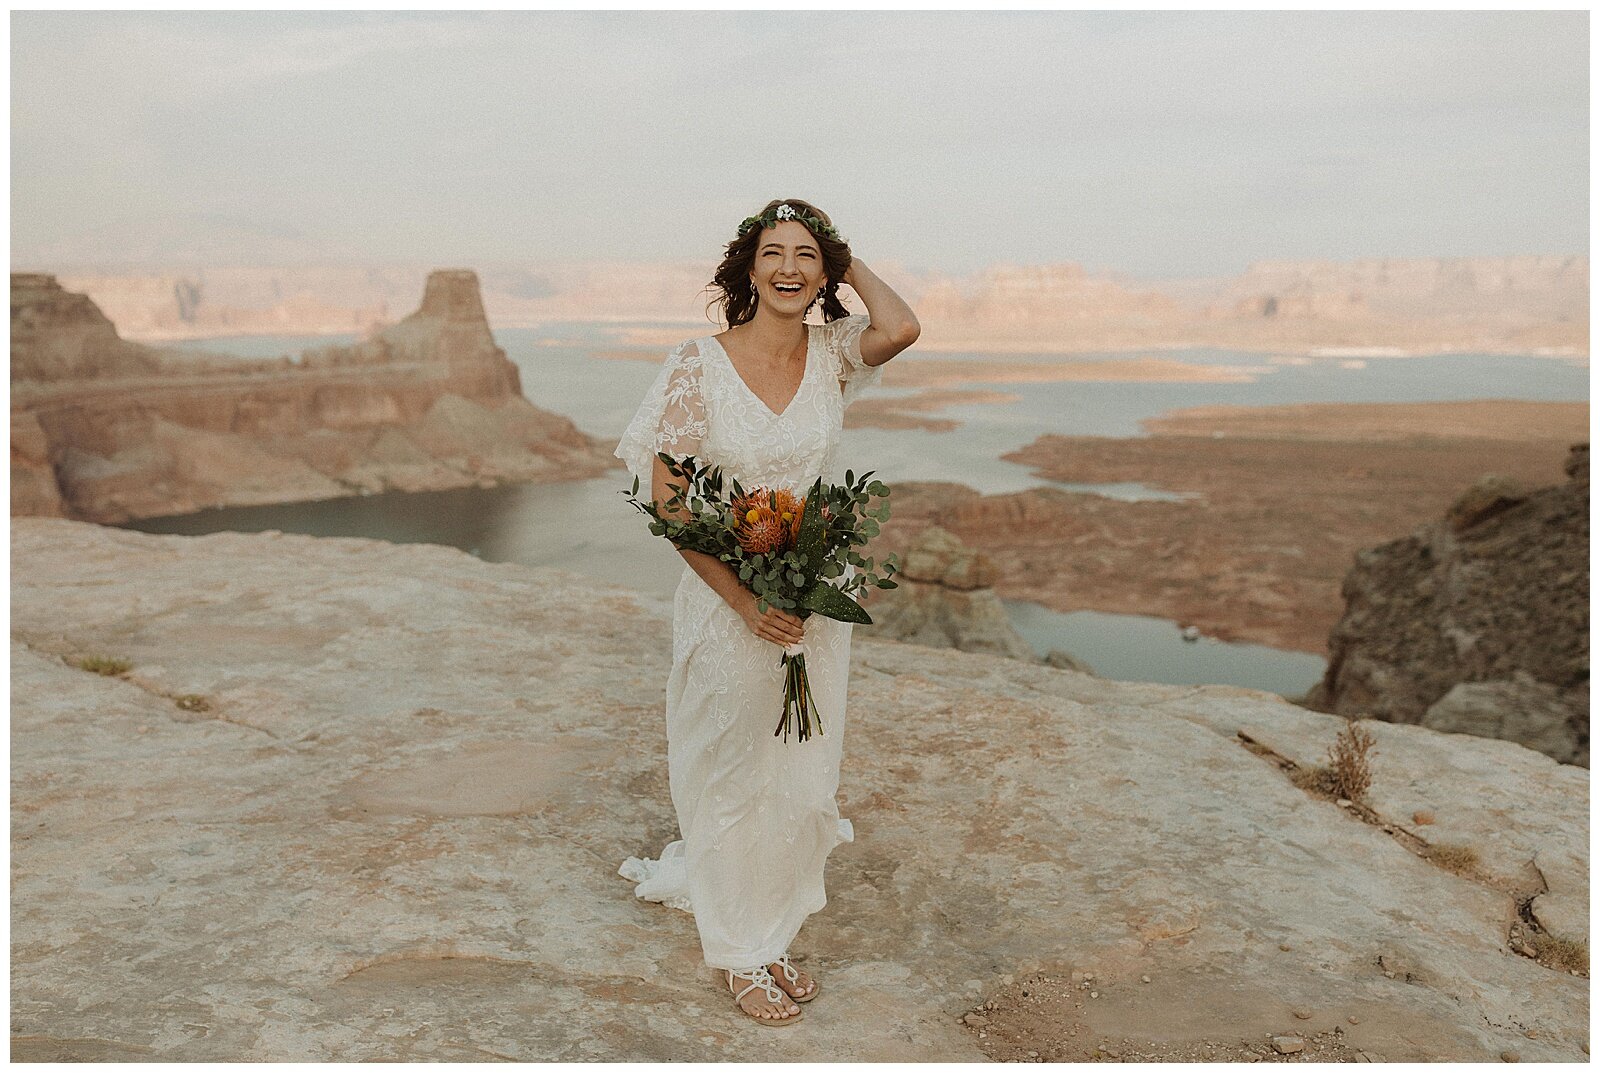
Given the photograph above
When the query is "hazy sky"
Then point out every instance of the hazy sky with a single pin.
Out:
(1153, 143)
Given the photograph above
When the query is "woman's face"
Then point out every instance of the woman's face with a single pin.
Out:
(788, 254)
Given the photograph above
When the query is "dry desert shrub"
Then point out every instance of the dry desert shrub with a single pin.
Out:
(102, 665)
(1565, 954)
(1453, 856)
(1316, 779)
(1349, 765)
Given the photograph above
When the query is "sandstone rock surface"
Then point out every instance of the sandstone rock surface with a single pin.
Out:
(107, 430)
(945, 598)
(358, 801)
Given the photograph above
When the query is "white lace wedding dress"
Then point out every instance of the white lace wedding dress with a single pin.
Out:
(757, 814)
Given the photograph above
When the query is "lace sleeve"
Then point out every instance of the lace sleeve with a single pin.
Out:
(672, 417)
(845, 341)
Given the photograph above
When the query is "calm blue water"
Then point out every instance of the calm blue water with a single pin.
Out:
(1140, 648)
(532, 523)
(600, 396)
(264, 346)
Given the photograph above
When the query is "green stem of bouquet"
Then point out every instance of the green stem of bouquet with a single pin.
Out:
(797, 698)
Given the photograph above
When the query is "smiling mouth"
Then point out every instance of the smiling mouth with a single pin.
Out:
(783, 288)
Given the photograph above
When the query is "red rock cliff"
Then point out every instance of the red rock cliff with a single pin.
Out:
(107, 430)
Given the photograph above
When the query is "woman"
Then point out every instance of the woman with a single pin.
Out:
(765, 401)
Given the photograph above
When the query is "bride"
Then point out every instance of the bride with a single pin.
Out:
(764, 400)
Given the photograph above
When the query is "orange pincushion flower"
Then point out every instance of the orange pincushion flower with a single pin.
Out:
(762, 528)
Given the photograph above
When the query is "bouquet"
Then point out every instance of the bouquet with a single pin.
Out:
(784, 551)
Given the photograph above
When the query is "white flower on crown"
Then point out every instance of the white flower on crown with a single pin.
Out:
(786, 212)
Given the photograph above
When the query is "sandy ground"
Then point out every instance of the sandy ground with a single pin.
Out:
(1053, 1018)
(1282, 503)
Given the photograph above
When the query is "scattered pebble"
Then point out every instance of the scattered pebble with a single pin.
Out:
(1094, 994)
(977, 1020)
(1144, 979)
(1510, 1056)
(1285, 946)
(1344, 802)
(1288, 1044)
(1353, 1019)
(1033, 1054)
(1302, 1013)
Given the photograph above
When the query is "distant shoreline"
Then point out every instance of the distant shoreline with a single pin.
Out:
(645, 343)
(1282, 497)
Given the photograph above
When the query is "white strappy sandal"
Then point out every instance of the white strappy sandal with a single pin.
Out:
(791, 974)
(760, 977)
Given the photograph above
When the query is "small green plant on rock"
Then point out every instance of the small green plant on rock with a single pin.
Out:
(102, 665)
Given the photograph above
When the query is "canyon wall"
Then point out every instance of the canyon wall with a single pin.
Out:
(105, 429)
(1477, 623)
(1514, 304)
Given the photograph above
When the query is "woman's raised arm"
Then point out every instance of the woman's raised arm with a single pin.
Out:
(894, 326)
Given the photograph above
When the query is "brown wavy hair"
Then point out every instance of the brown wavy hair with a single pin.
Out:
(732, 277)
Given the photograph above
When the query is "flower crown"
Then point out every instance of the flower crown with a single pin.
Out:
(786, 211)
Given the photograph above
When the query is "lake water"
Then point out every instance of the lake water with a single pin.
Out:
(587, 526)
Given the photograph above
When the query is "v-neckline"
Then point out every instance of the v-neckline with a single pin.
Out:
(737, 375)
